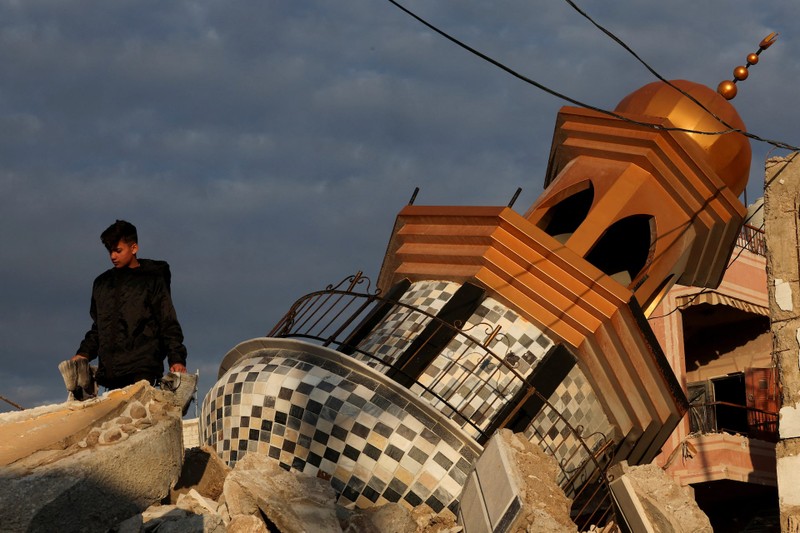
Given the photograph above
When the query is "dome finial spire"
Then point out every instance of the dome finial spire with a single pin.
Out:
(727, 88)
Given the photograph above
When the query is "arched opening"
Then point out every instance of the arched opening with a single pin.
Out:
(567, 215)
(624, 249)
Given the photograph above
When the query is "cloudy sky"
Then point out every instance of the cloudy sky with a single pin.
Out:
(264, 148)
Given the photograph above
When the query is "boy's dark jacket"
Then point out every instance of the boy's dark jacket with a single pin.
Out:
(134, 325)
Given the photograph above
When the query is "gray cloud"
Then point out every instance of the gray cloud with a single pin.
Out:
(264, 148)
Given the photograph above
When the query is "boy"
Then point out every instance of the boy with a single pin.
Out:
(134, 325)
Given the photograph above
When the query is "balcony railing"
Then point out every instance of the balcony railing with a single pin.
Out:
(752, 239)
(477, 375)
(716, 417)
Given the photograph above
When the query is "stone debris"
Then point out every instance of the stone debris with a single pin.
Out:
(194, 502)
(247, 524)
(258, 496)
(128, 472)
(203, 471)
(545, 507)
(71, 467)
(173, 519)
(665, 506)
(291, 502)
(429, 521)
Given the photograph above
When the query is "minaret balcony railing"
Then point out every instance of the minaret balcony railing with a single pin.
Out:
(335, 316)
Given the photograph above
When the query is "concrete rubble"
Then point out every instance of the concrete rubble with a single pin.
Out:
(526, 498)
(117, 463)
(652, 502)
(259, 496)
(86, 466)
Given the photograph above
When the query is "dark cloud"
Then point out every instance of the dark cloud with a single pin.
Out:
(264, 148)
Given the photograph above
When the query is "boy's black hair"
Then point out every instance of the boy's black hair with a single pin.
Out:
(120, 230)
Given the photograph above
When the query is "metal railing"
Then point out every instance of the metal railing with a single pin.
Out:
(752, 239)
(379, 331)
(748, 421)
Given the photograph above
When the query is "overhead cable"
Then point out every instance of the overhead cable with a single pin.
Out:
(655, 73)
(574, 101)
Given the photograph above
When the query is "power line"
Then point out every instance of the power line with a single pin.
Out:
(730, 263)
(509, 70)
(653, 71)
(741, 249)
(574, 101)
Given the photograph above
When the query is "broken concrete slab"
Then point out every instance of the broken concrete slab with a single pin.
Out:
(61, 425)
(512, 486)
(89, 466)
(203, 471)
(292, 502)
(651, 501)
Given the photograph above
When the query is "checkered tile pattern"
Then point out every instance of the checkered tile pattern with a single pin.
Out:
(397, 331)
(471, 380)
(321, 413)
(577, 403)
(338, 417)
(467, 383)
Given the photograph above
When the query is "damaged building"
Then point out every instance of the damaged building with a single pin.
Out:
(604, 327)
(720, 347)
(483, 318)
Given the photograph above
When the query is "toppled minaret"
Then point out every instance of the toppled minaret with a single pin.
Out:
(485, 318)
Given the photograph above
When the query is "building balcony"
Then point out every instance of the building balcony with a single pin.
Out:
(709, 457)
(718, 417)
(752, 239)
(726, 442)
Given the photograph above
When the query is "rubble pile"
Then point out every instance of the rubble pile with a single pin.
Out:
(260, 496)
(544, 504)
(118, 463)
(664, 505)
(84, 466)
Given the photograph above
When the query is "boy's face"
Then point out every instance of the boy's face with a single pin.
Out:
(123, 255)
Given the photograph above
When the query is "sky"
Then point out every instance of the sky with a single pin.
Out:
(264, 148)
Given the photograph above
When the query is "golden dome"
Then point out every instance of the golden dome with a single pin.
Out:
(728, 154)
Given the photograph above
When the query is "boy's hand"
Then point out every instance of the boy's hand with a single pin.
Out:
(77, 357)
(177, 367)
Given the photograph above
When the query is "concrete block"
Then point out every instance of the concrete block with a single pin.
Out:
(630, 505)
(472, 509)
(513, 488)
(651, 501)
(789, 426)
(789, 480)
(497, 477)
(82, 483)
